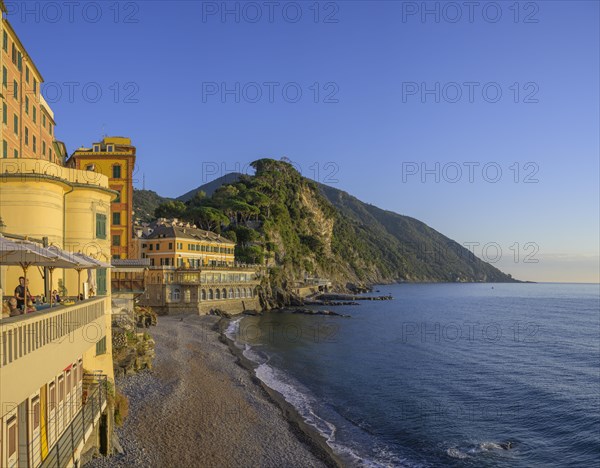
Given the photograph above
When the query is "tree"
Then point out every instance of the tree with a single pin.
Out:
(208, 218)
(171, 209)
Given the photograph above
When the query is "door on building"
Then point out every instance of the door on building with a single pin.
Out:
(34, 429)
(11, 440)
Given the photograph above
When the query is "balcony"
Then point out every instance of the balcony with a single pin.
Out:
(71, 442)
(34, 346)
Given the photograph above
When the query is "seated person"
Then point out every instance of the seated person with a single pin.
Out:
(30, 307)
(92, 292)
(12, 306)
(81, 296)
(55, 297)
(5, 310)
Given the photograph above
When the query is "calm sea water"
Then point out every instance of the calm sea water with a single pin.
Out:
(444, 374)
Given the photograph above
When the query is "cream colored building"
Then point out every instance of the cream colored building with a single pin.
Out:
(53, 362)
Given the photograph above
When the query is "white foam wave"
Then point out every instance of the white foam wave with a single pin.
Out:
(300, 398)
(233, 329)
(455, 453)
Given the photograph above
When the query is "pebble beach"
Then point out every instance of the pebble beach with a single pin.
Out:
(199, 407)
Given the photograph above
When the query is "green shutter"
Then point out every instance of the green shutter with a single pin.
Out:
(101, 281)
(101, 226)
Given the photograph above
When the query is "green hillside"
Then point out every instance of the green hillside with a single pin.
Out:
(303, 228)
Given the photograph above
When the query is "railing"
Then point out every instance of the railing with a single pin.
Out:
(127, 285)
(25, 334)
(61, 454)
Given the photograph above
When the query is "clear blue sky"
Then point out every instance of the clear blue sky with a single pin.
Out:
(365, 55)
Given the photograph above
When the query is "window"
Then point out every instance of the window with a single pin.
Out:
(4, 41)
(157, 246)
(4, 113)
(100, 226)
(34, 86)
(19, 61)
(4, 149)
(116, 240)
(96, 148)
(44, 120)
(116, 171)
(101, 347)
(34, 114)
(34, 144)
(13, 53)
(26, 73)
(16, 153)
(27, 105)
(116, 257)
(16, 124)
(116, 219)
(26, 140)
(118, 199)
(170, 248)
(16, 89)
(150, 247)
(12, 437)
(43, 148)
(110, 148)
(4, 77)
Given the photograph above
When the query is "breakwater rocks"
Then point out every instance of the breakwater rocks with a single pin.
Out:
(348, 297)
(331, 303)
(317, 312)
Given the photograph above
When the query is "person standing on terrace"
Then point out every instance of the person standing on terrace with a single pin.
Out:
(21, 291)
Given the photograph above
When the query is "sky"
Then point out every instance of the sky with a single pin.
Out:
(482, 120)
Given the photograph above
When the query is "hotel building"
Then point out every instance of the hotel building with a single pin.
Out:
(55, 364)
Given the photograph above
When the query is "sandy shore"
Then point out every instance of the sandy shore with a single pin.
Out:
(199, 408)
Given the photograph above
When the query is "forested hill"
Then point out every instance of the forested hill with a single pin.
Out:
(303, 228)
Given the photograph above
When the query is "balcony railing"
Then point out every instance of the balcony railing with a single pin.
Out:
(61, 454)
(27, 333)
(128, 285)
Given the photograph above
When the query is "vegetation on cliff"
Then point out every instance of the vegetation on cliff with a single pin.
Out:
(301, 228)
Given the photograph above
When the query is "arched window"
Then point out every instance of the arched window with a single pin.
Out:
(243, 292)
(224, 293)
(237, 293)
(211, 295)
(176, 295)
(116, 171)
(230, 296)
(203, 295)
(218, 294)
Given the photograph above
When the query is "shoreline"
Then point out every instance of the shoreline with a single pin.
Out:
(305, 432)
(202, 405)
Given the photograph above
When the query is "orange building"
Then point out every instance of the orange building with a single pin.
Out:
(27, 120)
(113, 157)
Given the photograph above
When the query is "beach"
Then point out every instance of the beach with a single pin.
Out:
(200, 407)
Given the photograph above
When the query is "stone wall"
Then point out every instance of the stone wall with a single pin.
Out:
(232, 306)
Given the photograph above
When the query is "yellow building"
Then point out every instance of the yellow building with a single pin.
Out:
(49, 407)
(113, 157)
(172, 244)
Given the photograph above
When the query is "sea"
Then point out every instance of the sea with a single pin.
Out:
(466, 375)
